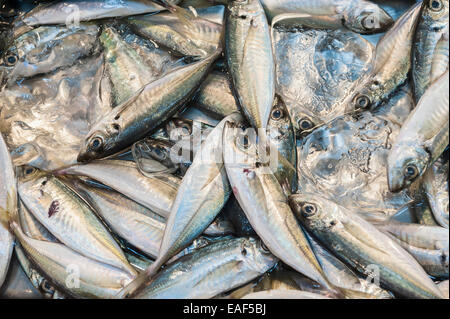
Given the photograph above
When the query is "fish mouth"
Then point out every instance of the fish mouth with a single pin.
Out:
(395, 180)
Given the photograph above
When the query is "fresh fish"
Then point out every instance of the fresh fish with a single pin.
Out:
(352, 285)
(265, 204)
(431, 29)
(180, 30)
(366, 249)
(56, 206)
(124, 67)
(215, 96)
(427, 244)
(72, 12)
(359, 16)
(422, 138)
(70, 271)
(390, 65)
(435, 185)
(216, 270)
(157, 192)
(8, 205)
(46, 49)
(148, 108)
(138, 225)
(248, 49)
(202, 194)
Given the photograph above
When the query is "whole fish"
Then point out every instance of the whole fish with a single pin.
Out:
(359, 16)
(202, 194)
(435, 185)
(125, 68)
(390, 65)
(8, 205)
(422, 138)
(135, 223)
(157, 192)
(265, 204)
(427, 244)
(211, 270)
(215, 96)
(249, 53)
(432, 25)
(70, 271)
(72, 12)
(155, 103)
(46, 49)
(69, 218)
(366, 249)
(180, 30)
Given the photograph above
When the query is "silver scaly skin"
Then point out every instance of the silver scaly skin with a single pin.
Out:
(362, 246)
(156, 192)
(435, 186)
(422, 138)
(67, 217)
(153, 104)
(249, 53)
(211, 270)
(432, 26)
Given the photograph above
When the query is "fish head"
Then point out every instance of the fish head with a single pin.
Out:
(435, 13)
(315, 212)
(8, 61)
(367, 18)
(31, 180)
(406, 163)
(256, 255)
(240, 146)
(99, 143)
(280, 125)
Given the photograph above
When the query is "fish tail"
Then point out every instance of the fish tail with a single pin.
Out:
(143, 278)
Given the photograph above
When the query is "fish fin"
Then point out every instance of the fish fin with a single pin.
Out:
(141, 279)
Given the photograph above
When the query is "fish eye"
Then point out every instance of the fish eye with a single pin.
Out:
(369, 22)
(308, 209)
(29, 170)
(96, 143)
(186, 129)
(362, 101)
(411, 172)
(11, 60)
(277, 114)
(305, 124)
(436, 5)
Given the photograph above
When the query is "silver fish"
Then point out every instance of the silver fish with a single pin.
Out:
(435, 185)
(362, 246)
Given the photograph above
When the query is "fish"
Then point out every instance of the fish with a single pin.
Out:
(8, 205)
(422, 138)
(430, 31)
(265, 205)
(46, 49)
(435, 186)
(180, 30)
(250, 59)
(283, 294)
(72, 12)
(362, 246)
(124, 67)
(156, 192)
(360, 16)
(427, 244)
(390, 65)
(221, 266)
(67, 217)
(133, 222)
(70, 271)
(216, 97)
(201, 196)
(153, 104)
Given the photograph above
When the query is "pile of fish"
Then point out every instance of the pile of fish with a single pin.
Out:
(224, 149)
